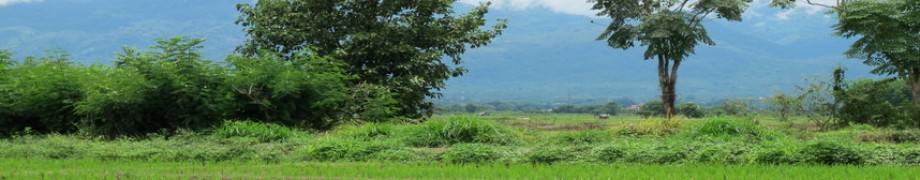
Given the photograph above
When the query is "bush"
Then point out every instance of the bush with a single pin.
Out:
(659, 154)
(652, 127)
(607, 154)
(344, 150)
(831, 153)
(690, 110)
(263, 131)
(728, 127)
(458, 130)
(307, 90)
(371, 131)
(39, 94)
(470, 153)
(550, 155)
(582, 137)
(170, 89)
(723, 153)
(652, 108)
(883, 103)
(775, 156)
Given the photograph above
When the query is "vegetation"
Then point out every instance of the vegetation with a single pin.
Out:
(332, 87)
(671, 30)
(93, 169)
(395, 44)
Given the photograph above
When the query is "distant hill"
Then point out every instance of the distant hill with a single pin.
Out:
(542, 57)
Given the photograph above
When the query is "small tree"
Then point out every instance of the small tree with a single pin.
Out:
(670, 29)
(785, 105)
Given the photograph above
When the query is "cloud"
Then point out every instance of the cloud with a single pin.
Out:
(9, 2)
(583, 8)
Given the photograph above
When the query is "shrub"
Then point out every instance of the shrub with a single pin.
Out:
(775, 156)
(655, 128)
(172, 88)
(723, 153)
(458, 130)
(306, 90)
(39, 94)
(607, 154)
(582, 137)
(550, 155)
(371, 131)
(728, 127)
(402, 155)
(652, 108)
(344, 150)
(263, 131)
(690, 110)
(831, 153)
(659, 154)
(884, 103)
(470, 153)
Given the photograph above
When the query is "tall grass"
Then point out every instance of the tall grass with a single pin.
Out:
(458, 129)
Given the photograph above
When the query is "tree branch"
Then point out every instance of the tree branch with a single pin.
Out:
(825, 5)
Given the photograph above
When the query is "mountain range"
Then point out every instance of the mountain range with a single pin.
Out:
(544, 56)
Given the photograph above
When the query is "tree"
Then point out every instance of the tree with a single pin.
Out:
(670, 29)
(888, 36)
(399, 44)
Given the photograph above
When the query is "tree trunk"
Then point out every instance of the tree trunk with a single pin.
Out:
(667, 81)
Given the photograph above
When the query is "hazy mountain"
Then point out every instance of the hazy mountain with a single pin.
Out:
(542, 57)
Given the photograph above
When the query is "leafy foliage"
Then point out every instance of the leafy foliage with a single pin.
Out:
(879, 103)
(888, 34)
(458, 130)
(167, 89)
(306, 90)
(691, 110)
(396, 44)
(39, 93)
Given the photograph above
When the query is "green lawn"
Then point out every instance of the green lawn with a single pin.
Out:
(96, 169)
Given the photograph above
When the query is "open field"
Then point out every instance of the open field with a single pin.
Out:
(500, 146)
(95, 169)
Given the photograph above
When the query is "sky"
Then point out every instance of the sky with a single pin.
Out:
(584, 9)
(547, 42)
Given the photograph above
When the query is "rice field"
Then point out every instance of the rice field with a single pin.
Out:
(96, 169)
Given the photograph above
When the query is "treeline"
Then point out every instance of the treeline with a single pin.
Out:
(837, 102)
(171, 87)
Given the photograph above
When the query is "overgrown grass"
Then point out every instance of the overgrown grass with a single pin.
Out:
(458, 129)
(472, 140)
(263, 131)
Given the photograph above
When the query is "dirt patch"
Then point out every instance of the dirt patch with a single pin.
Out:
(558, 127)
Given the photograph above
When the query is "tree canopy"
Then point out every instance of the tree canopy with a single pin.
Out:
(398, 44)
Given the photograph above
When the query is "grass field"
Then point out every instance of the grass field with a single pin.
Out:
(500, 146)
(95, 169)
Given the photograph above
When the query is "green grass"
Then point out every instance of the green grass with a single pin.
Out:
(94, 169)
(567, 146)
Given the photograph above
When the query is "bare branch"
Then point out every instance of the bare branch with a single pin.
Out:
(825, 5)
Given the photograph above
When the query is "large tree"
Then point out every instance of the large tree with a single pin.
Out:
(403, 45)
(669, 29)
(887, 36)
